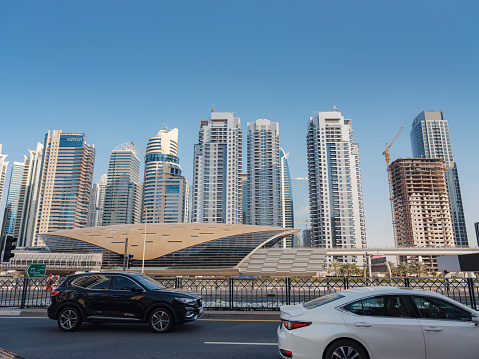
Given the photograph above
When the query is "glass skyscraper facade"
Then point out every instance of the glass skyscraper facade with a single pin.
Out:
(123, 191)
(336, 199)
(430, 139)
(13, 196)
(97, 202)
(3, 171)
(165, 191)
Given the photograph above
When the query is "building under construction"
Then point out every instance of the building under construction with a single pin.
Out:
(420, 205)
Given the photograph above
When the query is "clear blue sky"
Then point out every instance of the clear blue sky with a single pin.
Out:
(116, 69)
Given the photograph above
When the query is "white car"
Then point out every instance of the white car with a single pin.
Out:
(379, 323)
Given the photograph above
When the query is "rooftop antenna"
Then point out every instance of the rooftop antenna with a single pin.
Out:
(213, 110)
(164, 126)
(261, 112)
(334, 106)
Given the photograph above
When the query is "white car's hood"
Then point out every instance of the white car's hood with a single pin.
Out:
(288, 311)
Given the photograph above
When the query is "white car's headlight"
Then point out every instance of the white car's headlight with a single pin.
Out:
(189, 301)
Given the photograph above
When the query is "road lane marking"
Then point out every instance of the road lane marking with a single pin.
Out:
(240, 320)
(236, 343)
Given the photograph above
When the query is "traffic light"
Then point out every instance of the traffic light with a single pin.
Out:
(130, 260)
(8, 248)
(122, 258)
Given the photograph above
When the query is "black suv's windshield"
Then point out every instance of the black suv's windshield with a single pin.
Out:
(148, 282)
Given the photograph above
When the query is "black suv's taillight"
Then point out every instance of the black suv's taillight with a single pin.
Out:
(54, 292)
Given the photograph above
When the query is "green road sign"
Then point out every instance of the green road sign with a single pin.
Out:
(36, 270)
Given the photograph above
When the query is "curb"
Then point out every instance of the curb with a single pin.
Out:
(208, 314)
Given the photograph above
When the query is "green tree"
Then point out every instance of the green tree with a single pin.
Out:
(348, 269)
(403, 269)
(334, 267)
(418, 268)
(394, 269)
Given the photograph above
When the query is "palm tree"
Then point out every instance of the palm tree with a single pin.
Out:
(348, 269)
(418, 268)
(334, 265)
(394, 270)
(403, 269)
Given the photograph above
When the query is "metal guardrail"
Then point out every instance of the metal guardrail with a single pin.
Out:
(239, 293)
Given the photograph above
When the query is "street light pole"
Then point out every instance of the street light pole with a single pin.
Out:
(144, 248)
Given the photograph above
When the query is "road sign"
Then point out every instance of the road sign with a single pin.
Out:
(36, 270)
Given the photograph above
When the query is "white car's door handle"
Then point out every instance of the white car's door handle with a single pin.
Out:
(433, 329)
(363, 324)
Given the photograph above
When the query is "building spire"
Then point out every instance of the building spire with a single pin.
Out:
(334, 106)
(213, 110)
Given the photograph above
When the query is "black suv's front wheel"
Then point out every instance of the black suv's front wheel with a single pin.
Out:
(161, 320)
(69, 319)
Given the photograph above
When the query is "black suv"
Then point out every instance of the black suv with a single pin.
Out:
(121, 297)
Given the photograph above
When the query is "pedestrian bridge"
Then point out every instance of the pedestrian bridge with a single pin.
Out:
(56, 261)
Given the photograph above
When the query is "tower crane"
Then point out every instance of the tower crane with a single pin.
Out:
(386, 151)
(388, 160)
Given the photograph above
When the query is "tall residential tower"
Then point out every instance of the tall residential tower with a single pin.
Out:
(430, 139)
(123, 190)
(336, 199)
(165, 190)
(66, 179)
(3, 172)
(217, 170)
(97, 203)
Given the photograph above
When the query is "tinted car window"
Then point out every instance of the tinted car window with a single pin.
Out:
(322, 300)
(434, 308)
(122, 283)
(380, 306)
(148, 282)
(91, 282)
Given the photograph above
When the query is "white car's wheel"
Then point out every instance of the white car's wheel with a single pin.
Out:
(346, 349)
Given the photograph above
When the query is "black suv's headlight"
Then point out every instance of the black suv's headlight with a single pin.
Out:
(188, 301)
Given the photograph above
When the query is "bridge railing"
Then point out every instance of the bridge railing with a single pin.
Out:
(245, 293)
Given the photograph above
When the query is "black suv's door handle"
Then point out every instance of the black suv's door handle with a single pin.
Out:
(115, 296)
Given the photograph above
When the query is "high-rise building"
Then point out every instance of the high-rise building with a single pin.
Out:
(430, 139)
(217, 170)
(336, 199)
(244, 197)
(123, 191)
(420, 202)
(287, 208)
(97, 203)
(66, 179)
(264, 174)
(28, 198)
(476, 227)
(13, 197)
(3, 172)
(165, 190)
(300, 192)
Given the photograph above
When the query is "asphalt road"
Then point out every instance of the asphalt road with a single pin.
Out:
(40, 338)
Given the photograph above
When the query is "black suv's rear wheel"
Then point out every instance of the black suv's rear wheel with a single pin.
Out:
(161, 320)
(69, 319)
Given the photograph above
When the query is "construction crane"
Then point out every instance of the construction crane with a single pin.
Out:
(388, 160)
(386, 151)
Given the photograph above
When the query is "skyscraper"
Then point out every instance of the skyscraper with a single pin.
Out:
(123, 191)
(421, 211)
(66, 179)
(264, 174)
(28, 196)
(430, 139)
(336, 199)
(97, 203)
(286, 193)
(165, 192)
(13, 196)
(217, 170)
(300, 192)
(3, 172)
